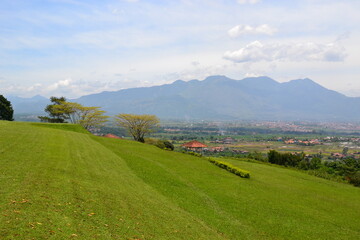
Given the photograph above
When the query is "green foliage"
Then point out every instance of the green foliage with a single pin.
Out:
(323, 172)
(163, 144)
(285, 159)
(257, 156)
(6, 110)
(310, 163)
(61, 111)
(355, 178)
(137, 125)
(193, 153)
(231, 168)
(168, 145)
(56, 115)
(347, 168)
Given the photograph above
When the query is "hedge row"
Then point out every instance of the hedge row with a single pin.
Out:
(231, 168)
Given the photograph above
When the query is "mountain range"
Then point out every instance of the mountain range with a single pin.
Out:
(221, 98)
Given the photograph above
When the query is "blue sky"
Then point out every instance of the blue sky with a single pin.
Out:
(74, 47)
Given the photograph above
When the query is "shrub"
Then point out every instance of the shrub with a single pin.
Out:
(168, 145)
(355, 179)
(194, 154)
(231, 168)
(163, 144)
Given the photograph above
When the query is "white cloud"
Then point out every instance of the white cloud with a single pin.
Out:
(241, 30)
(60, 84)
(297, 52)
(247, 75)
(199, 72)
(195, 63)
(67, 87)
(248, 1)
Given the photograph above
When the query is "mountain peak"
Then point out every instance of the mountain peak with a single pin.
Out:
(304, 82)
(179, 82)
(217, 78)
(260, 81)
(38, 97)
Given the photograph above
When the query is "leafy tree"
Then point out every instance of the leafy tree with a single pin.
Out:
(56, 114)
(285, 159)
(6, 110)
(61, 110)
(137, 125)
(315, 163)
(92, 117)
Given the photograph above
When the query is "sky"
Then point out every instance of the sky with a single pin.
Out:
(78, 47)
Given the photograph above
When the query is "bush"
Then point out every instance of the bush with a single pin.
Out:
(168, 145)
(231, 168)
(285, 159)
(194, 154)
(163, 144)
(355, 179)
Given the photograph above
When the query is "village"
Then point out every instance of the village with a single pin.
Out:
(331, 148)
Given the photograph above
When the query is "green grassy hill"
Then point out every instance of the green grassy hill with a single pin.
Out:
(58, 182)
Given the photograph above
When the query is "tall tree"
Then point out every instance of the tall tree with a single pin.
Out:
(6, 110)
(62, 111)
(55, 111)
(138, 125)
(92, 117)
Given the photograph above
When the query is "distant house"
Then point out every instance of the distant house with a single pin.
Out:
(194, 146)
(338, 155)
(229, 140)
(216, 149)
(109, 135)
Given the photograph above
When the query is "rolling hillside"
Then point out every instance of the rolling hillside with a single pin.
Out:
(59, 182)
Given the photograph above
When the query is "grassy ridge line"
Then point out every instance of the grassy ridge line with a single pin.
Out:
(62, 126)
(62, 184)
(275, 203)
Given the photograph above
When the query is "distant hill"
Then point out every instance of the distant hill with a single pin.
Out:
(217, 98)
(34, 105)
(27, 109)
(222, 98)
(58, 182)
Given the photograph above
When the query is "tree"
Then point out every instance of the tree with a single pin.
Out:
(137, 125)
(6, 110)
(61, 111)
(72, 111)
(56, 114)
(92, 117)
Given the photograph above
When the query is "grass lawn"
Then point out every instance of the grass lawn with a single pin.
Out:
(58, 182)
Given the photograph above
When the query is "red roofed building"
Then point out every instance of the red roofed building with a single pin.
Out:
(194, 146)
(109, 135)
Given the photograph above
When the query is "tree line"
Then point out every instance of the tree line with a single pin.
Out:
(62, 111)
(348, 168)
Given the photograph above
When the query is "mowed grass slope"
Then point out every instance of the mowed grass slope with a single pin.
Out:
(58, 182)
